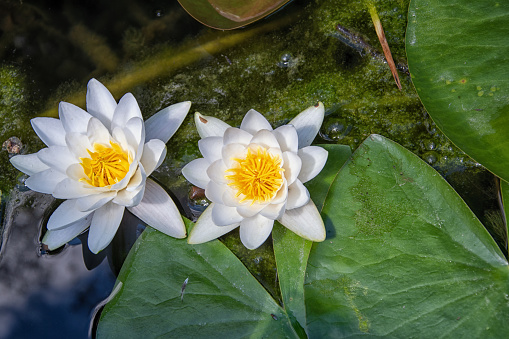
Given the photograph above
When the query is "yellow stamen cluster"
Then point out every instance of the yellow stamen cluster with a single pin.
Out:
(106, 165)
(257, 177)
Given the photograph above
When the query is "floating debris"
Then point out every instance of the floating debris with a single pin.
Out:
(12, 145)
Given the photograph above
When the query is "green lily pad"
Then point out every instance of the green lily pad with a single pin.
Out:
(230, 14)
(405, 256)
(458, 55)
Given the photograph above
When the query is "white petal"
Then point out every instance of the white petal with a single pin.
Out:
(305, 222)
(273, 211)
(217, 171)
(133, 167)
(92, 202)
(210, 148)
(224, 215)
(298, 195)
(165, 123)
(282, 194)
(231, 152)
(50, 131)
(65, 214)
(56, 238)
(28, 164)
(313, 161)
(254, 231)
(57, 157)
(205, 230)
(214, 192)
(126, 109)
(119, 137)
(73, 118)
(138, 179)
(45, 181)
(154, 152)
(78, 144)
(196, 172)
(100, 102)
(250, 210)
(159, 211)
(130, 198)
(287, 138)
(70, 189)
(135, 135)
(76, 172)
(292, 165)
(307, 124)
(265, 139)
(254, 121)
(230, 198)
(104, 225)
(209, 126)
(97, 132)
(236, 136)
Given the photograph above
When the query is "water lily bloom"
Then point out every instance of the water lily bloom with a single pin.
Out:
(99, 160)
(254, 175)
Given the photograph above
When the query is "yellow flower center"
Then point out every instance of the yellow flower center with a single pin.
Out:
(257, 177)
(106, 165)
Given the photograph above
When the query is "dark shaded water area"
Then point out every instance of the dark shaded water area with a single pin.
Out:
(49, 49)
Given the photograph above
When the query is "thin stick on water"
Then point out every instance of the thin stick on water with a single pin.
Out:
(383, 41)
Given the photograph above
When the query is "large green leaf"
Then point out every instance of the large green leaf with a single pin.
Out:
(292, 251)
(406, 257)
(458, 55)
(221, 299)
(230, 14)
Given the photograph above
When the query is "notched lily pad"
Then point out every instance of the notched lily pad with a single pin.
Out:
(228, 14)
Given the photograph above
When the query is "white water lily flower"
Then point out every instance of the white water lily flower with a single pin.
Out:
(254, 175)
(99, 161)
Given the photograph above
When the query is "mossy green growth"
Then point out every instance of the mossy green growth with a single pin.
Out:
(14, 122)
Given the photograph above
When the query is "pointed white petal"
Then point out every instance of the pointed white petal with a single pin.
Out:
(265, 139)
(205, 230)
(254, 231)
(133, 167)
(224, 215)
(292, 165)
(50, 131)
(305, 222)
(45, 181)
(92, 202)
(254, 122)
(154, 152)
(78, 144)
(100, 102)
(159, 211)
(196, 172)
(298, 195)
(28, 164)
(56, 238)
(210, 148)
(65, 214)
(71, 189)
(282, 194)
(104, 225)
(73, 118)
(214, 192)
(250, 210)
(166, 122)
(57, 157)
(217, 171)
(138, 179)
(120, 138)
(230, 198)
(135, 135)
(307, 124)
(313, 161)
(236, 136)
(231, 152)
(273, 211)
(97, 132)
(287, 138)
(126, 109)
(209, 126)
